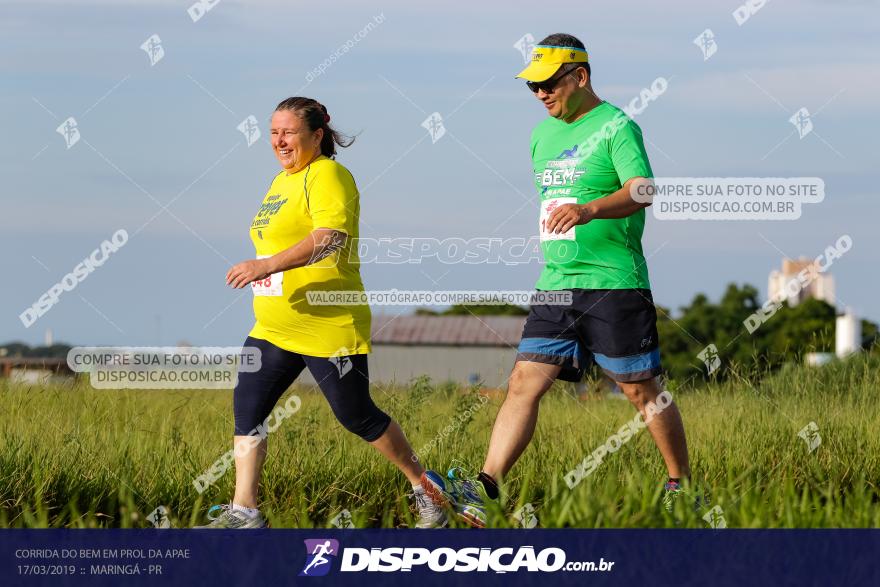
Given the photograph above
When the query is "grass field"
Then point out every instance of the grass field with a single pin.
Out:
(78, 457)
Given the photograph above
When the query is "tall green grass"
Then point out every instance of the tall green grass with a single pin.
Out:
(71, 456)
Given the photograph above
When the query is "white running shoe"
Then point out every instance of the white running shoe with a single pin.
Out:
(431, 515)
(232, 520)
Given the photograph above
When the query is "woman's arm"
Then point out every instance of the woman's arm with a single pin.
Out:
(319, 244)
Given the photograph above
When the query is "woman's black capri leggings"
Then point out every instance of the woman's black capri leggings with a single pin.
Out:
(344, 381)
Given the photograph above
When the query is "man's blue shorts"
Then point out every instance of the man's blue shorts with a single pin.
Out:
(616, 328)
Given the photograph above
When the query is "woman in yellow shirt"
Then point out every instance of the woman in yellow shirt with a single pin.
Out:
(305, 235)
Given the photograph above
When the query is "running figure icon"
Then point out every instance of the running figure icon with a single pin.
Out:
(320, 550)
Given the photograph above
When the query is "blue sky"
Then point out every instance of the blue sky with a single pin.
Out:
(168, 132)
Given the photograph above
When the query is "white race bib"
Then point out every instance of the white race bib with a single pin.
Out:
(271, 286)
(547, 207)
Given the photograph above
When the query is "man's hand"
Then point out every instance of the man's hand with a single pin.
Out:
(247, 271)
(636, 193)
(568, 215)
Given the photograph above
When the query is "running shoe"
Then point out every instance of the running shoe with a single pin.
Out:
(673, 491)
(431, 515)
(465, 495)
(231, 519)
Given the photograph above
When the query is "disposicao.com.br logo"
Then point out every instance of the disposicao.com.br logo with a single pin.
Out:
(318, 556)
(442, 560)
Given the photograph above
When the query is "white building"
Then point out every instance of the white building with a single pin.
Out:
(463, 349)
(820, 287)
(847, 335)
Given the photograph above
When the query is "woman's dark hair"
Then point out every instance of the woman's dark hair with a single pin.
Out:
(315, 116)
(564, 40)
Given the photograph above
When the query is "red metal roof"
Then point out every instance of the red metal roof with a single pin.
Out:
(503, 331)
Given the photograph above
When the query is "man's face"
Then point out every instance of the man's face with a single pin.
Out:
(567, 93)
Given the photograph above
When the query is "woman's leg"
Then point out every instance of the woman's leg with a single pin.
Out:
(253, 399)
(395, 447)
(345, 382)
(248, 467)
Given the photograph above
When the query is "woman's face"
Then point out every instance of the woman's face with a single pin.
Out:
(294, 144)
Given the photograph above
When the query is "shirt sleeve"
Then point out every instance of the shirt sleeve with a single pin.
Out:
(333, 199)
(628, 153)
(533, 142)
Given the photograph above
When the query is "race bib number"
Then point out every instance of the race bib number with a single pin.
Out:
(271, 286)
(547, 208)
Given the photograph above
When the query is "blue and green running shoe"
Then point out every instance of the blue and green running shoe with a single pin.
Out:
(673, 490)
(465, 495)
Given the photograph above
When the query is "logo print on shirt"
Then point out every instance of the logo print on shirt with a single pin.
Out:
(268, 209)
(561, 171)
(568, 153)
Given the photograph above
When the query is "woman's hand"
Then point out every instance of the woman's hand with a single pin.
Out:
(247, 271)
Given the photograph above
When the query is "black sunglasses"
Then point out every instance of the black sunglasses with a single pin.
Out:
(549, 85)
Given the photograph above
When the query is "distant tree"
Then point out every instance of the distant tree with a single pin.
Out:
(56, 351)
(870, 335)
(20, 349)
(16, 349)
(477, 310)
(785, 337)
(807, 327)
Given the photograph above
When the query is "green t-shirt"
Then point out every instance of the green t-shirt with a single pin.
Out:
(579, 162)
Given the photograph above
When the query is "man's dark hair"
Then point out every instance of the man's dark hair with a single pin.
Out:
(564, 40)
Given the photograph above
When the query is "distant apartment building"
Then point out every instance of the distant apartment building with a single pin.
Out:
(821, 286)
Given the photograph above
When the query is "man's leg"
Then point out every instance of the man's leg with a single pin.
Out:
(548, 349)
(516, 420)
(620, 328)
(665, 427)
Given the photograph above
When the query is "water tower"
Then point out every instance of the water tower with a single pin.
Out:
(848, 334)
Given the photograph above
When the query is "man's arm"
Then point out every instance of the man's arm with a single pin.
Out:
(319, 244)
(632, 197)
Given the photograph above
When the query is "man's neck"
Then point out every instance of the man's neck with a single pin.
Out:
(590, 102)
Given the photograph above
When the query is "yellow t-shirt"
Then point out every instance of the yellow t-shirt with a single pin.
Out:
(323, 195)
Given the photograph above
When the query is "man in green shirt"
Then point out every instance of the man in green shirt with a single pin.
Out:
(588, 158)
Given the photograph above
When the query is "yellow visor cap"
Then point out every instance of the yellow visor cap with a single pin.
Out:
(547, 59)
